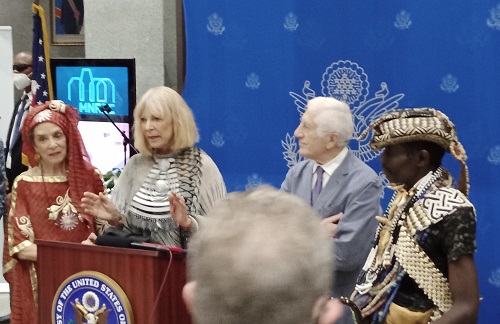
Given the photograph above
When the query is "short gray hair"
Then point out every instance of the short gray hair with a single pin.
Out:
(333, 116)
(261, 258)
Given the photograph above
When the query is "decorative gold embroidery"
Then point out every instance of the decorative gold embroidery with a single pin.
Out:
(24, 224)
(69, 218)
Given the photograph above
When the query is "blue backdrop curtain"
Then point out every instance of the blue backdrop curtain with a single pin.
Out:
(252, 64)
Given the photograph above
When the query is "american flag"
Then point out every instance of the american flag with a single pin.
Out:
(41, 81)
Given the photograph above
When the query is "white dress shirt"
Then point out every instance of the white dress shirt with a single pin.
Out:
(329, 167)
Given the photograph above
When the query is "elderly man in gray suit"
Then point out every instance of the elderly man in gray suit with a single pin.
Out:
(339, 186)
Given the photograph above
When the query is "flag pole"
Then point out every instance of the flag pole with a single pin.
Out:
(41, 48)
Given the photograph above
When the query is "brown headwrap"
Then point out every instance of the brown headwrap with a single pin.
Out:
(419, 124)
(80, 171)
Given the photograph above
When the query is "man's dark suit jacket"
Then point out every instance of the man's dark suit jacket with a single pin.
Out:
(16, 167)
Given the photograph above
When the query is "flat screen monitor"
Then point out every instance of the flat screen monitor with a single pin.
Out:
(90, 84)
(94, 85)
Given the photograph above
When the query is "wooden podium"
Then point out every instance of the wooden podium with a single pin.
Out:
(139, 273)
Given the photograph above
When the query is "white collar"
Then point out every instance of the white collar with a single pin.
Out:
(334, 163)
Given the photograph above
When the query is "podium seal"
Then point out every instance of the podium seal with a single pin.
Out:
(90, 297)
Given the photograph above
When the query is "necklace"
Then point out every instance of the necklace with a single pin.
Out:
(162, 178)
(388, 234)
(161, 184)
(44, 187)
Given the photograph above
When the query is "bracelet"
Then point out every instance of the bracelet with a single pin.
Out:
(187, 228)
(356, 312)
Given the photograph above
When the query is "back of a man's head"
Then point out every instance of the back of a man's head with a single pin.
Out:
(260, 258)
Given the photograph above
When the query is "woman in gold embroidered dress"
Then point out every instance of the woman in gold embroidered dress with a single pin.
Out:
(45, 199)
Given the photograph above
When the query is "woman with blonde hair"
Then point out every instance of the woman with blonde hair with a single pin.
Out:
(164, 191)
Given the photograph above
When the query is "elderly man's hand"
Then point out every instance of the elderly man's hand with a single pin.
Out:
(327, 311)
(329, 224)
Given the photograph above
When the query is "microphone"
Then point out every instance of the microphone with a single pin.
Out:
(116, 241)
(105, 108)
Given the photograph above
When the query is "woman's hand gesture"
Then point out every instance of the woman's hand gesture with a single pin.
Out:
(100, 206)
(178, 210)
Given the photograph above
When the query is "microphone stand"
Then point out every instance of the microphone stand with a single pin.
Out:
(106, 110)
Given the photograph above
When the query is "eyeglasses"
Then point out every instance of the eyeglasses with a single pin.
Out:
(20, 67)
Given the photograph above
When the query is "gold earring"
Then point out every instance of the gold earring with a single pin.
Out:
(37, 158)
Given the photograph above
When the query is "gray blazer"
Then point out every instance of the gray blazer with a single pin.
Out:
(354, 189)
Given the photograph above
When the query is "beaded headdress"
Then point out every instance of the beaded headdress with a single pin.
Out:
(419, 124)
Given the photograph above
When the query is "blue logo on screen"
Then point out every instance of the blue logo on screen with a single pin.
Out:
(90, 88)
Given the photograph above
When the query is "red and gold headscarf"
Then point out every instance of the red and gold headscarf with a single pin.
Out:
(78, 162)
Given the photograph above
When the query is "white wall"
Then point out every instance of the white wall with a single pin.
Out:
(6, 104)
(6, 87)
(144, 30)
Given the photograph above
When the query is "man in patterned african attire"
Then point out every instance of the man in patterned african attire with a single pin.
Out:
(421, 267)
